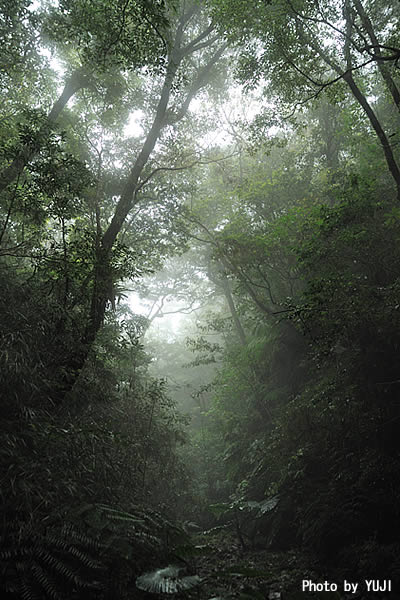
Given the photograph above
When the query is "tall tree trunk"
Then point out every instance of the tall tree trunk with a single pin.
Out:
(373, 119)
(223, 282)
(384, 71)
(238, 325)
(102, 273)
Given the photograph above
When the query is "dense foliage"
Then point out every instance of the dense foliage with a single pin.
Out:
(263, 422)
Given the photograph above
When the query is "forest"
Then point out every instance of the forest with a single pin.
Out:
(200, 299)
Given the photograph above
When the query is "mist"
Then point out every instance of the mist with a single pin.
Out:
(199, 308)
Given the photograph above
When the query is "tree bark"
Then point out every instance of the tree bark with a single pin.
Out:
(102, 270)
(228, 295)
(102, 273)
(384, 71)
(373, 119)
(224, 283)
(347, 76)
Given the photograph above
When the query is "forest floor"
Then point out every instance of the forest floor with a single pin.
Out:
(230, 572)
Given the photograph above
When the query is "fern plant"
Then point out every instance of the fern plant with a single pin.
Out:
(96, 553)
(132, 542)
(146, 531)
(53, 564)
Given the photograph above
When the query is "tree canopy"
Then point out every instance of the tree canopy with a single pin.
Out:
(199, 275)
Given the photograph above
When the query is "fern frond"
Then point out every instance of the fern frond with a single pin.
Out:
(81, 538)
(61, 567)
(27, 592)
(49, 566)
(47, 582)
(85, 558)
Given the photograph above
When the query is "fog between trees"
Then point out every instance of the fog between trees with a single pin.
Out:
(199, 308)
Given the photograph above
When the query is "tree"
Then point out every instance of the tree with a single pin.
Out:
(288, 44)
(117, 35)
(182, 54)
(186, 41)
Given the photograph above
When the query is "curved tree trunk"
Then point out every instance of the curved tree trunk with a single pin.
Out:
(384, 71)
(103, 271)
(347, 76)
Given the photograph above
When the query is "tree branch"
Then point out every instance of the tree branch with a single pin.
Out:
(388, 79)
(76, 82)
(182, 168)
(199, 82)
(189, 48)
